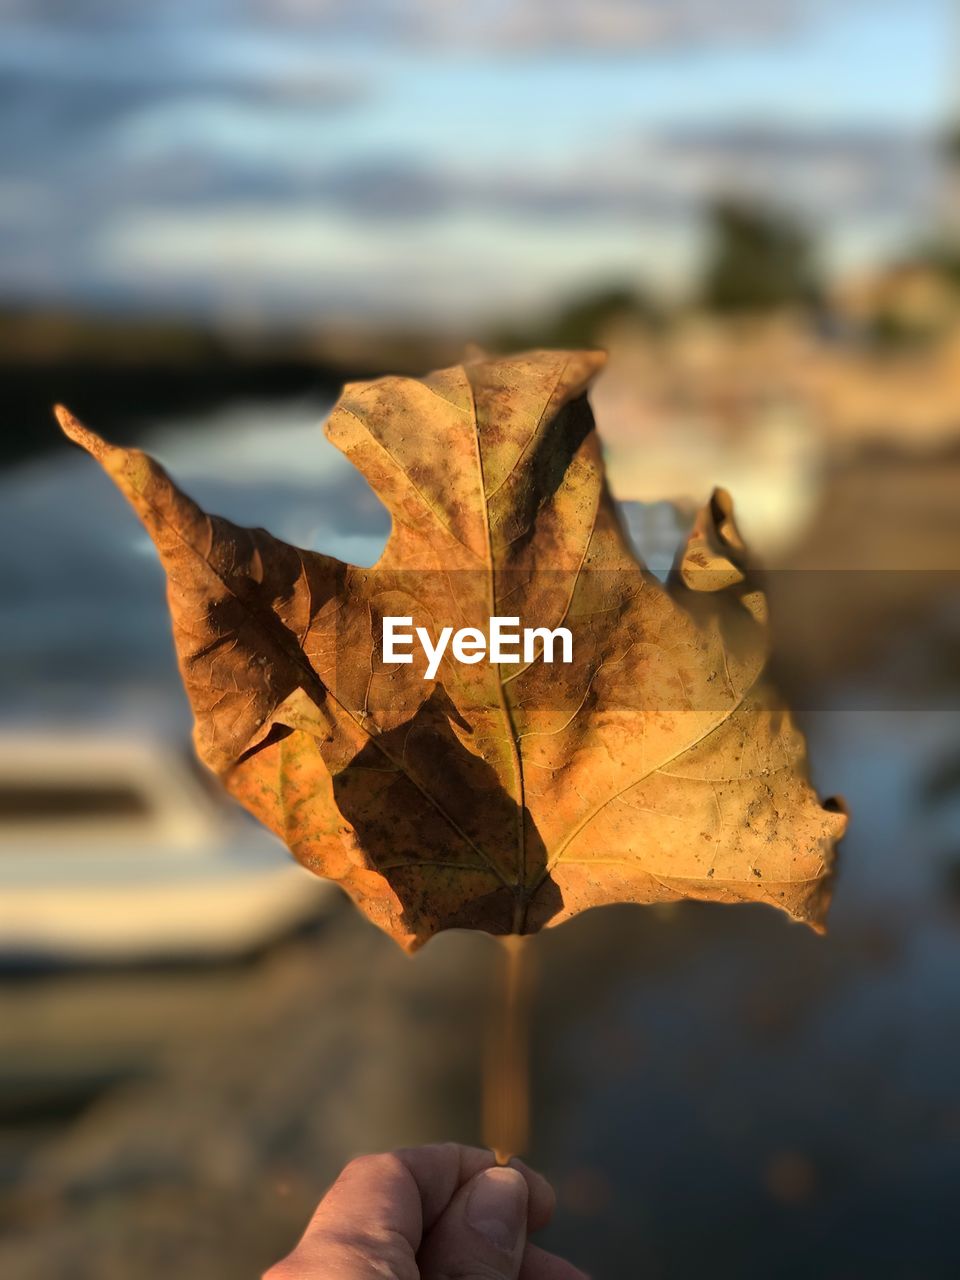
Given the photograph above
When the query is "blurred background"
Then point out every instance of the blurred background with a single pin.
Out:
(212, 213)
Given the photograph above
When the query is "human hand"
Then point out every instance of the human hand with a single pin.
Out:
(442, 1212)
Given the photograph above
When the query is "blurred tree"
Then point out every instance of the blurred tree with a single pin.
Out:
(582, 322)
(757, 258)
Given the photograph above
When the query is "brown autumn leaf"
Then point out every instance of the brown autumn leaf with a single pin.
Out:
(657, 765)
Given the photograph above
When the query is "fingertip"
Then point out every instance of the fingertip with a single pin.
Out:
(496, 1206)
(440, 1168)
(543, 1198)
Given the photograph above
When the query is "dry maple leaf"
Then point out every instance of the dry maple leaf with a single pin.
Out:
(657, 765)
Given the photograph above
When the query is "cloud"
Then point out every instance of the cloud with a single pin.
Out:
(72, 73)
(824, 172)
(190, 152)
(661, 176)
(304, 261)
(526, 26)
(390, 235)
(522, 26)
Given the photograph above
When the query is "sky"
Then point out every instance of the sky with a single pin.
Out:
(256, 159)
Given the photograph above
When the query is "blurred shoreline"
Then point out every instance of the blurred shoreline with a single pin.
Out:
(124, 373)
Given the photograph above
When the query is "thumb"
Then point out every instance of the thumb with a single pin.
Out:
(482, 1233)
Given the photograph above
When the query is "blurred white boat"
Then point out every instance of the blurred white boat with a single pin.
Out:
(117, 848)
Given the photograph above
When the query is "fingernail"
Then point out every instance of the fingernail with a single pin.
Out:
(497, 1206)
